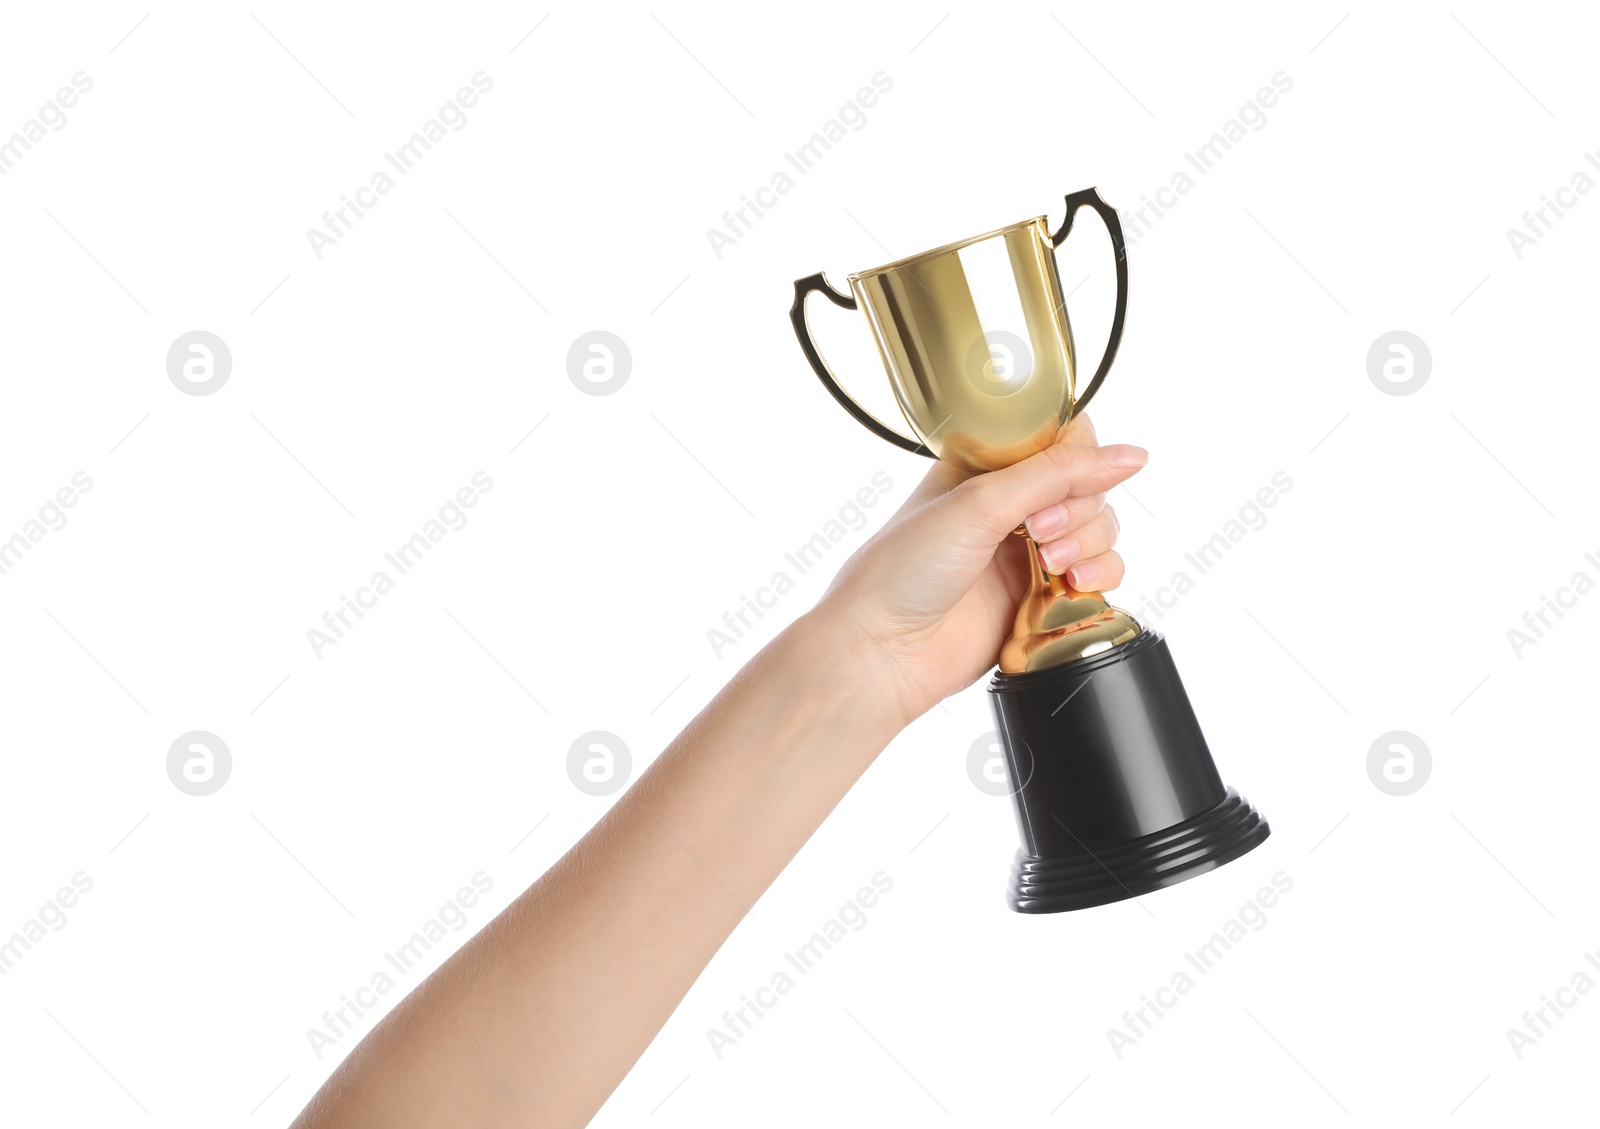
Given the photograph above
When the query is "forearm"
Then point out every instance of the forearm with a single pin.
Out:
(552, 1003)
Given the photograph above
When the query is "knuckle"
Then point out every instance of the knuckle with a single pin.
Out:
(1063, 457)
(983, 491)
(984, 496)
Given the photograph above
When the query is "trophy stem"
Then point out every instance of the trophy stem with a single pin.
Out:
(1056, 623)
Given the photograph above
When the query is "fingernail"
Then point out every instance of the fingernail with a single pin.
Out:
(1085, 576)
(1059, 554)
(1126, 455)
(1047, 522)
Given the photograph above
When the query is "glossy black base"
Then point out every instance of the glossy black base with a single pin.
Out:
(1127, 870)
(1115, 789)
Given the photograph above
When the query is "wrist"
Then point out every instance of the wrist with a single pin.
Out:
(876, 687)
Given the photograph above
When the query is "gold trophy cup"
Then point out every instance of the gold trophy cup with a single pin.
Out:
(978, 348)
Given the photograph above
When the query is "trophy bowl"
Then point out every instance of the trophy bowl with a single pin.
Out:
(975, 340)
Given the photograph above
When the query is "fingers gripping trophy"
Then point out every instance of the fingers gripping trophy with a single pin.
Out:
(1115, 789)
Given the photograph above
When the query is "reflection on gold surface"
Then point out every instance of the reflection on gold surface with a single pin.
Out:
(1056, 623)
(974, 452)
(978, 348)
(976, 343)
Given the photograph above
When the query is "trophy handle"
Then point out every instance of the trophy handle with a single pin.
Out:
(797, 316)
(1091, 198)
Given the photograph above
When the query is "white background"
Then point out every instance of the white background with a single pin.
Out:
(368, 385)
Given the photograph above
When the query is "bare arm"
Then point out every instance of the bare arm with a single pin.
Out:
(545, 1010)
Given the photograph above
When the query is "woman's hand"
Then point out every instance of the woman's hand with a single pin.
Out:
(936, 590)
(538, 1017)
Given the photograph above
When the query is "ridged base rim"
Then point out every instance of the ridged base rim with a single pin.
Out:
(1182, 851)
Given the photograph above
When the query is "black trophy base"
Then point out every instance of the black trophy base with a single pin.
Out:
(1115, 789)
